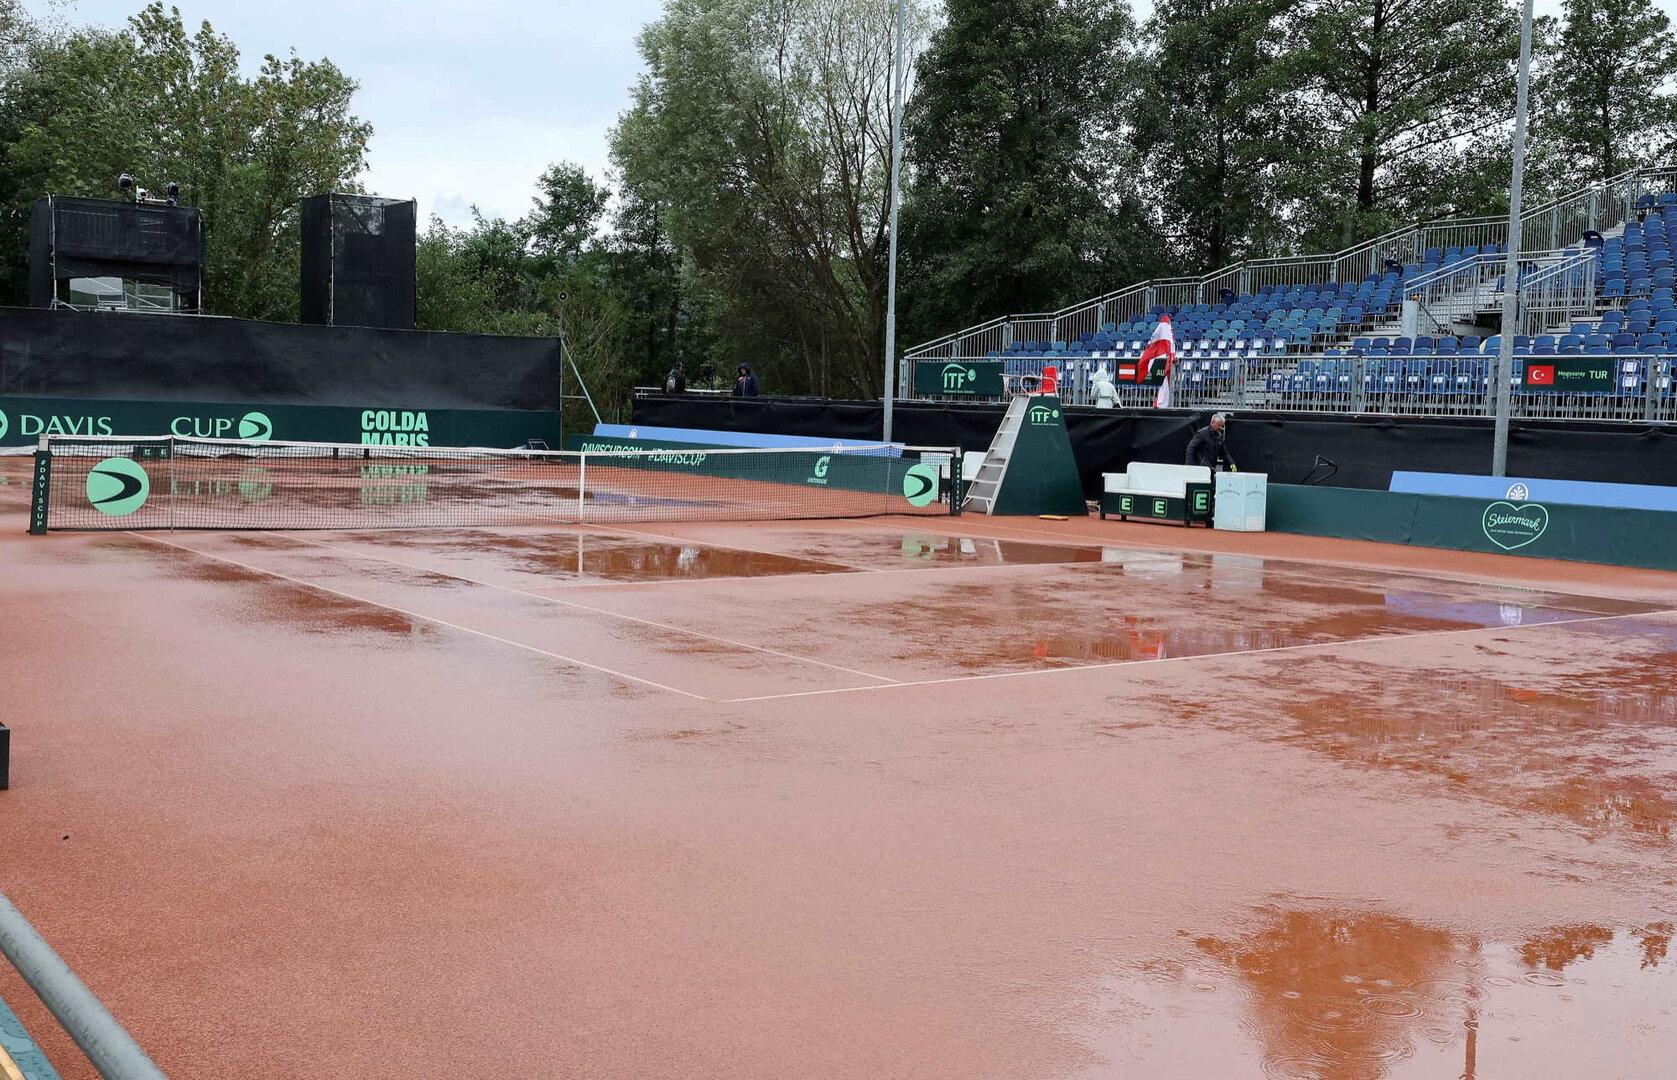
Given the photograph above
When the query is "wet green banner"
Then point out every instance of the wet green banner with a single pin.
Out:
(23, 420)
(958, 378)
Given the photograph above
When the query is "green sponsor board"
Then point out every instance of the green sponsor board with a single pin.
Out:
(24, 420)
(1597, 534)
(958, 378)
(1194, 506)
(919, 485)
(1568, 374)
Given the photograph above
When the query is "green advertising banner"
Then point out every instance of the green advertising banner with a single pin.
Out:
(1569, 374)
(1596, 534)
(958, 378)
(919, 483)
(24, 420)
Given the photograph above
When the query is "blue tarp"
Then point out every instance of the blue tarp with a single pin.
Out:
(1571, 492)
(734, 438)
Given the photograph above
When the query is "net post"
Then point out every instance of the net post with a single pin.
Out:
(581, 484)
(955, 483)
(40, 492)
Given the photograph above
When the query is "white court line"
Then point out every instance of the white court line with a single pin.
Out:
(1203, 656)
(353, 553)
(424, 618)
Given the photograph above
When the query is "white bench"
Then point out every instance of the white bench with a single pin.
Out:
(1158, 493)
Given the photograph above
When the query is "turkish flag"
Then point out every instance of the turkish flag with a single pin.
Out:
(1540, 375)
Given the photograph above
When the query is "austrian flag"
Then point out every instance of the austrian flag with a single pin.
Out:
(1160, 355)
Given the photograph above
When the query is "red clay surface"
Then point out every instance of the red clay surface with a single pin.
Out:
(894, 798)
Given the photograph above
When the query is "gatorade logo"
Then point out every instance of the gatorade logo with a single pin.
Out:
(920, 484)
(118, 486)
(256, 427)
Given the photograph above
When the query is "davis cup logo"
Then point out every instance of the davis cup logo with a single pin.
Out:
(4, 423)
(118, 486)
(256, 427)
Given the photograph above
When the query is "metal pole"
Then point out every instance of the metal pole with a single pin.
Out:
(896, 170)
(111, 1050)
(1511, 271)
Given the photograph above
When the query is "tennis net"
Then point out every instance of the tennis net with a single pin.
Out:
(165, 482)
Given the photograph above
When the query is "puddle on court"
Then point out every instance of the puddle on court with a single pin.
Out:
(564, 557)
(1585, 733)
(1367, 995)
(1138, 608)
(989, 551)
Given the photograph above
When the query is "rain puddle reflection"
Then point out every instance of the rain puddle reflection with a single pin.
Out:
(1342, 995)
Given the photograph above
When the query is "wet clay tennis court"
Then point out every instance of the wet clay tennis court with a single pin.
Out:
(885, 798)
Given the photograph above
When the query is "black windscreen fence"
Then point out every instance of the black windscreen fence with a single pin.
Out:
(1365, 450)
(358, 261)
(153, 243)
(193, 358)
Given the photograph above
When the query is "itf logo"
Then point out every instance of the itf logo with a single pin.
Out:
(1042, 414)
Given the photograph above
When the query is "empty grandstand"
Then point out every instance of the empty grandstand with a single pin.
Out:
(1405, 323)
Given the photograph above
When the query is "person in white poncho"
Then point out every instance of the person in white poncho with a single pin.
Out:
(1103, 388)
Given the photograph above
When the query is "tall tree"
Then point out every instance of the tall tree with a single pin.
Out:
(1610, 91)
(1021, 198)
(1403, 93)
(1209, 130)
(165, 105)
(761, 131)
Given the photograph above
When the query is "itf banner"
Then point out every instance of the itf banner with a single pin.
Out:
(23, 420)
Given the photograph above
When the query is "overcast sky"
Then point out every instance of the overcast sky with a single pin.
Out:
(469, 99)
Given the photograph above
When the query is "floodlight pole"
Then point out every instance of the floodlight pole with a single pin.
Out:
(896, 169)
(1511, 266)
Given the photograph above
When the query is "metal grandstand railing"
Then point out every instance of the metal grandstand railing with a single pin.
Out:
(1407, 385)
(1551, 226)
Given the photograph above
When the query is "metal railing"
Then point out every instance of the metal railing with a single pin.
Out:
(1549, 227)
(111, 1050)
(1410, 385)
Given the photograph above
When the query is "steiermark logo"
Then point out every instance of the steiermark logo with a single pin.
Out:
(118, 486)
(920, 484)
(1509, 526)
(256, 426)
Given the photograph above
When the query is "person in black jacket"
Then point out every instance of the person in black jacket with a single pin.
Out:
(746, 384)
(676, 381)
(1209, 446)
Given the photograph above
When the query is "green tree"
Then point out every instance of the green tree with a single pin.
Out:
(1021, 197)
(1209, 131)
(1404, 95)
(760, 131)
(167, 105)
(1610, 90)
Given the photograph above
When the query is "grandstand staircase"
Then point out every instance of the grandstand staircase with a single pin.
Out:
(987, 483)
